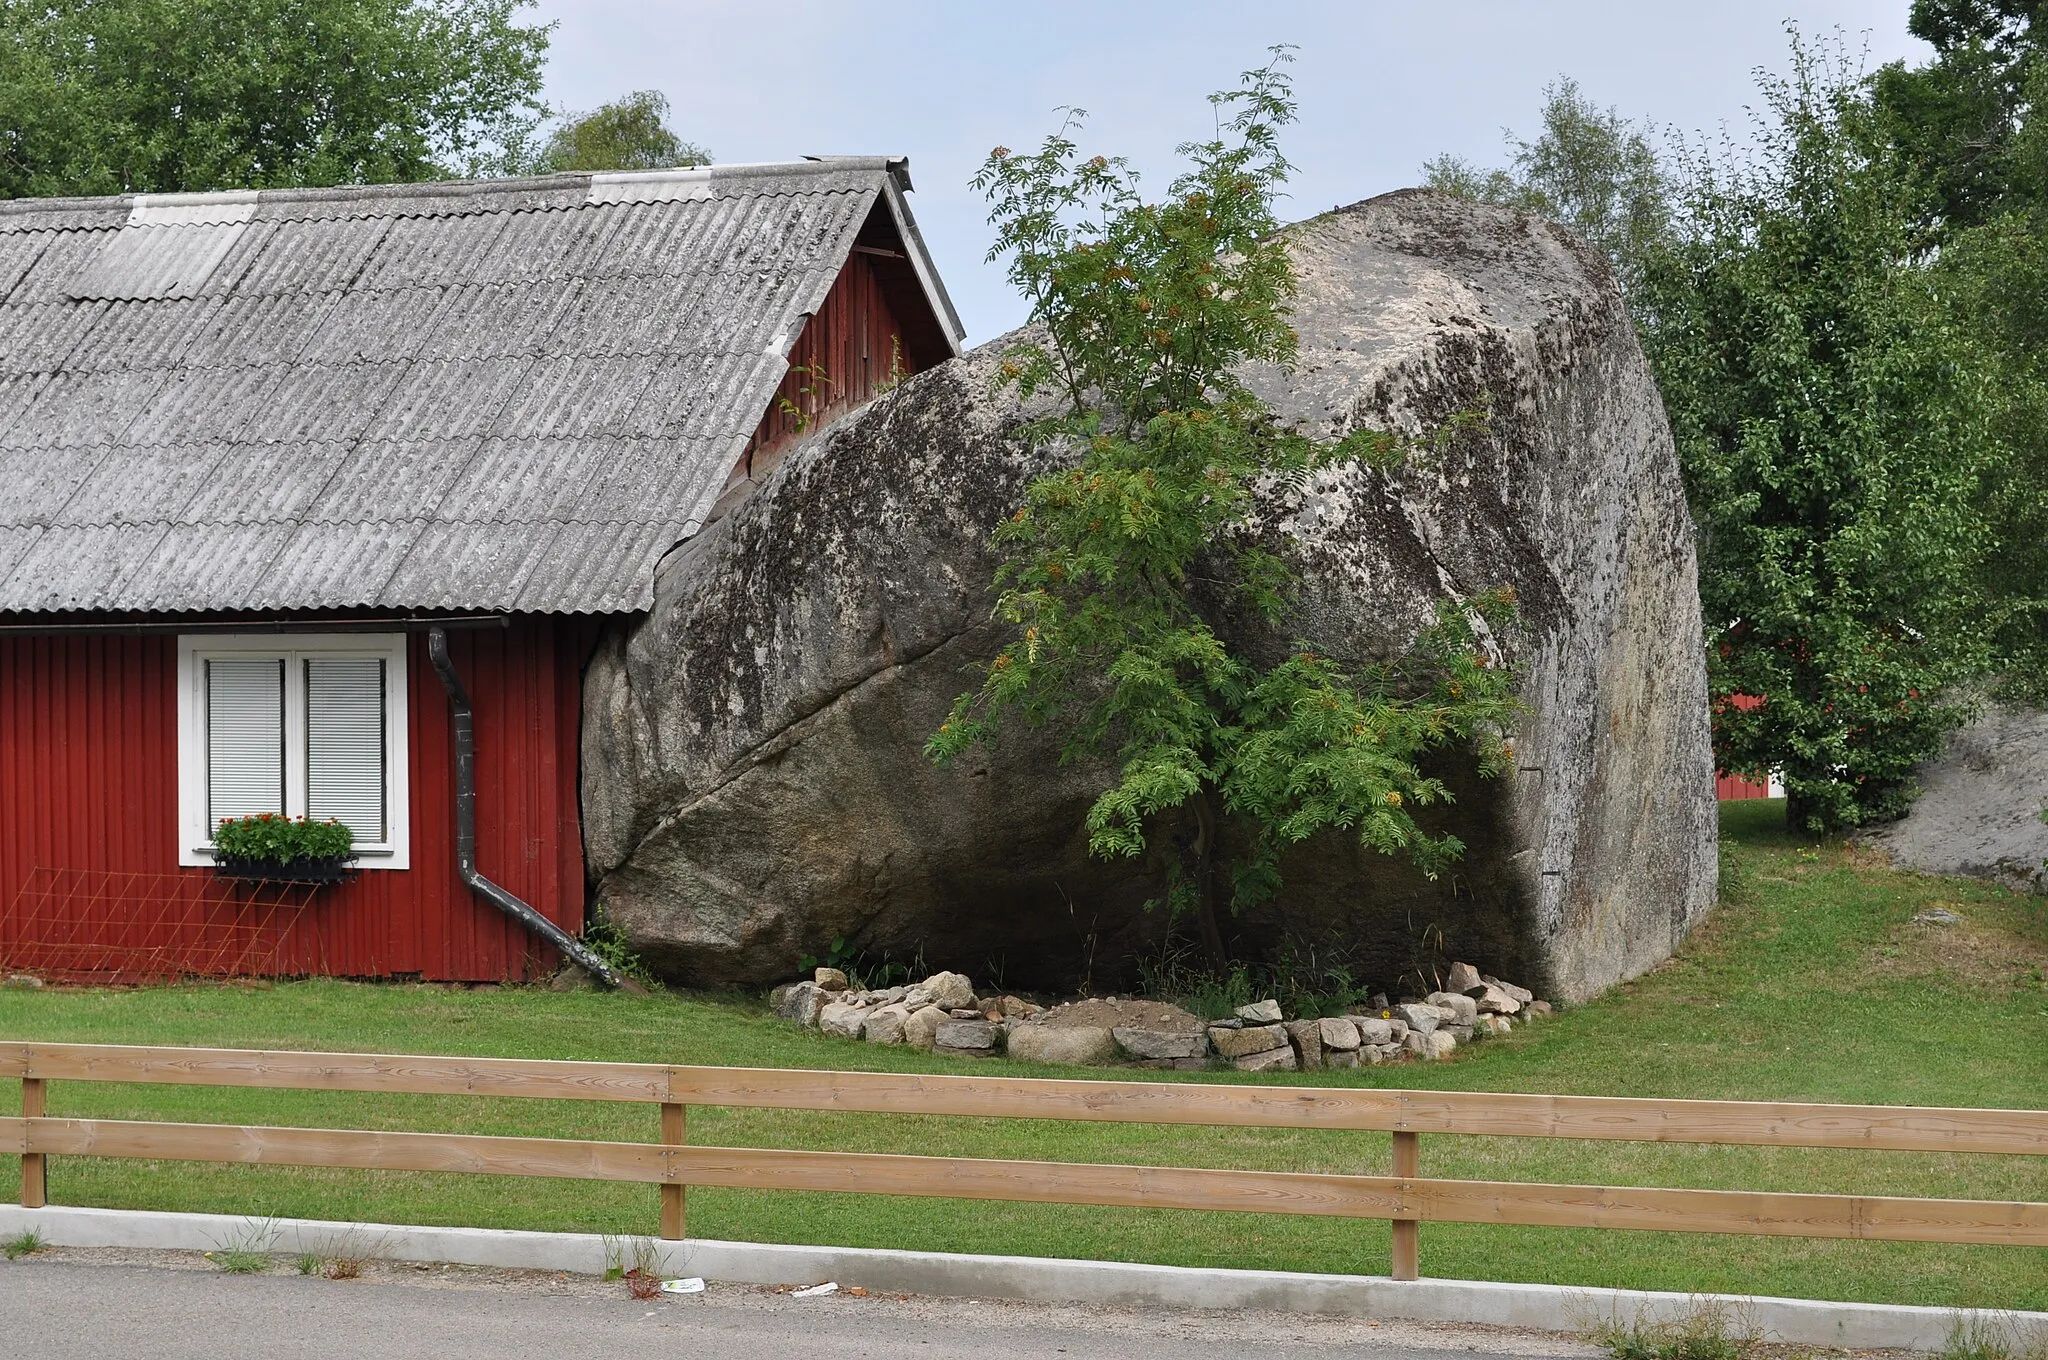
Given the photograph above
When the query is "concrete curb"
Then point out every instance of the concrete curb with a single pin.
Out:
(1809, 1322)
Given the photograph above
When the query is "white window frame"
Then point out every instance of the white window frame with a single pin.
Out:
(195, 836)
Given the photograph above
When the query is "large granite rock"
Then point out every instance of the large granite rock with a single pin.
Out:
(753, 779)
(1979, 810)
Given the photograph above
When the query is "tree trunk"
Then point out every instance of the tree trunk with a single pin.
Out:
(1798, 811)
(1205, 888)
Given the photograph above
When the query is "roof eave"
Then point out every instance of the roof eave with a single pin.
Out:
(921, 260)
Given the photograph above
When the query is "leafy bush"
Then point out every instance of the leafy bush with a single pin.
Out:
(602, 936)
(863, 971)
(134, 96)
(1307, 979)
(267, 835)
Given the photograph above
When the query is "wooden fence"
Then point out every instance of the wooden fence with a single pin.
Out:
(1406, 1197)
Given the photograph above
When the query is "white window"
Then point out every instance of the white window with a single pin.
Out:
(307, 725)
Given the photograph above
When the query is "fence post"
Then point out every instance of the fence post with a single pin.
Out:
(674, 1132)
(1407, 1231)
(34, 1172)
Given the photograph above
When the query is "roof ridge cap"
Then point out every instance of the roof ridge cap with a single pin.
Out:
(464, 188)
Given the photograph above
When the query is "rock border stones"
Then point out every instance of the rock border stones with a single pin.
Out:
(943, 1014)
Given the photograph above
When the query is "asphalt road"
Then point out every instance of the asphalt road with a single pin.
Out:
(76, 1306)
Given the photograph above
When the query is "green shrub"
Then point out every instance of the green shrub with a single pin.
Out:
(602, 936)
(870, 973)
(1307, 979)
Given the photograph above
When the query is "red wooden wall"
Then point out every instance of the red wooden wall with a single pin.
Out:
(89, 805)
(852, 349)
(1727, 786)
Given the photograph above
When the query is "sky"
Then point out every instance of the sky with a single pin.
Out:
(1383, 85)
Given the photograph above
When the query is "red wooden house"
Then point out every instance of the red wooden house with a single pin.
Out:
(1735, 786)
(267, 458)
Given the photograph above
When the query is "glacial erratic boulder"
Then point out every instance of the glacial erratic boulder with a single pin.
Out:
(754, 783)
(1979, 812)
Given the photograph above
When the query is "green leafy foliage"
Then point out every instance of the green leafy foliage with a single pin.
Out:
(813, 394)
(864, 971)
(628, 134)
(1953, 121)
(1850, 329)
(1589, 168)
(1994, 278)
(269, 836)
(1308, 979)
(1968, 126)
(1833, 424)
(158, 96)
(1111, 568)
(604, 939)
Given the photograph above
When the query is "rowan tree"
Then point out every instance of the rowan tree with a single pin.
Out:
(1146, 310)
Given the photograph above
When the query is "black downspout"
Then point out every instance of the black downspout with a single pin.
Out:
(465, 829)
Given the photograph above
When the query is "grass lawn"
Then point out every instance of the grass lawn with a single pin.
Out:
(1811, 982)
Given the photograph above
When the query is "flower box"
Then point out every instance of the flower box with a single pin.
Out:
(271, 848)
(304, 869)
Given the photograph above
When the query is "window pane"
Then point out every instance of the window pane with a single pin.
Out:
(244, 737)
(345, 743)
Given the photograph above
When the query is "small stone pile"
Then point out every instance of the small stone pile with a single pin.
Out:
(942, 1014)
(1472, 1006)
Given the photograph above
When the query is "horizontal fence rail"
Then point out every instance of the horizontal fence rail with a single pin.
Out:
(1405, 1198)
(1891, 1128)
(1989, 1222)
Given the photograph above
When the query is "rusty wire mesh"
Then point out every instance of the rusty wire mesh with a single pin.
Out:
(104, 925)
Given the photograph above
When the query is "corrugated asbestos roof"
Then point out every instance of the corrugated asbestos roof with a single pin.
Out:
(503, 395)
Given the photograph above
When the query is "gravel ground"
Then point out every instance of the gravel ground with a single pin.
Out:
(66, 1303)
(166, 1284)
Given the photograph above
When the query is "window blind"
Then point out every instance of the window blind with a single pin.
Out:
(345, 744)
(244, 737)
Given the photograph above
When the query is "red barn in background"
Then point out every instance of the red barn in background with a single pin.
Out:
(1727, 786)
(299, 487)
